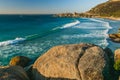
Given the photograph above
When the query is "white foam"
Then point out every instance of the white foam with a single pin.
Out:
(11, 42)
(70, 24)
(91, 35)
(106, 24)
(90, 28)
(103, 43)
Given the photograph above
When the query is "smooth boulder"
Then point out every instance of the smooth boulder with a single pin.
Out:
(20, 61)
(13, 73)
(71, 62)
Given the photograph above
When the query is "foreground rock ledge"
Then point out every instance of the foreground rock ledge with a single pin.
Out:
(12, 73)
(71, 62)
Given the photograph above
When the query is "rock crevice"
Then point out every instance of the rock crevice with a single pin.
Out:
(77, 62)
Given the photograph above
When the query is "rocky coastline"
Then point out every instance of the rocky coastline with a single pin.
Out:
(85, 15)
(65, 62)
(69, 62)
(115, 37)
(107, 10)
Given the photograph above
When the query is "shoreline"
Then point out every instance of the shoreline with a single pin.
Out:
(85, 15)
(110, 18)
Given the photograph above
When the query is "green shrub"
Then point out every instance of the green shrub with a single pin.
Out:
(117, 65)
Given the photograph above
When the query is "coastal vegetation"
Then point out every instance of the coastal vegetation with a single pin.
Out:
(109, 9)
(117, 65)
(117, 60)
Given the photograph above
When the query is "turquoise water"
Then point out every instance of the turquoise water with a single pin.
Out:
(32, 35)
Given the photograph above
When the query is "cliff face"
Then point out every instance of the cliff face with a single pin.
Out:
(107, 9)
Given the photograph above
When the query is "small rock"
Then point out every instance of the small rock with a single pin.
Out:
(13, 73)
(19, 60)
(116, 40)
(112, 36)
(115, 37)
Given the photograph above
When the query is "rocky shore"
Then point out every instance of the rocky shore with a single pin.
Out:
(65, 62)
(107, 10)
(115, 37)
(85, 15)
(76, 15)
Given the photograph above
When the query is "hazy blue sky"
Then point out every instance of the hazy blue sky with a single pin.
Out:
(46, 6)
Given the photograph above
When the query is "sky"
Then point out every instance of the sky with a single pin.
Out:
(46, 6)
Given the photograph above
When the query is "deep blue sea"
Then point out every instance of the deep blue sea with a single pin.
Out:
(32, 35)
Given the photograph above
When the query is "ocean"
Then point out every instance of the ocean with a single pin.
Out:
(33, 35)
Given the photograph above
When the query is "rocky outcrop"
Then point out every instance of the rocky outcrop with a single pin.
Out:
(13, 73)
(117, 55)
(109, 10)
(20, 61)
(71, 62)
(75, 15)
(115, 37)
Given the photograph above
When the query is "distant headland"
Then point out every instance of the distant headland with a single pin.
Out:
(109, 10)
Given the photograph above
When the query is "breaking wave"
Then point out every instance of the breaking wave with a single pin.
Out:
(106, 24)
(70, 24)
(12, 42)
(67, 25)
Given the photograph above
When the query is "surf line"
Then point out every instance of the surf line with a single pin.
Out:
(19, 40)
(68, 25)
(53, 30)
(12, 42)
(34, 36)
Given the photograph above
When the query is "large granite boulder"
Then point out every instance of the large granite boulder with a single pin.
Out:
(20, 61)
(71, 62)
(12, 73)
